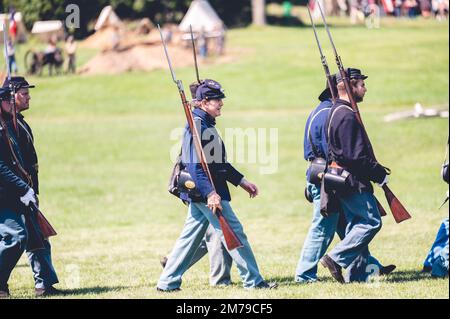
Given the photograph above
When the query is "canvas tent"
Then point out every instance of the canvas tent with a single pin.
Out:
(107, 18)
(47, 30)
(201, 15)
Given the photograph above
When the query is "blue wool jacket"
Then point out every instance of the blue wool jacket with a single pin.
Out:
(214, 148)
(11, 185)
(315, 126)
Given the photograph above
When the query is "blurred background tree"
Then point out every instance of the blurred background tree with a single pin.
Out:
(235, 13)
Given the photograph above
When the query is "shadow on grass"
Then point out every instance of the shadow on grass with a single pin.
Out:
(290, 281)
(91, 290)
(396, 276)
(408, 275)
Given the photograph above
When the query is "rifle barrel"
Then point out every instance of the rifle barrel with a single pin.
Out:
(174, 77)
(323, 59)
(195, 55)
(5, 43)
(326, 27)
(315, 33)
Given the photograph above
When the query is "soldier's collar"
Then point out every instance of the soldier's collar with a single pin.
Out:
(204, 116)
(342, 102)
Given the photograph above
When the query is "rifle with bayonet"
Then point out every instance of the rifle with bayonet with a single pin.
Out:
(12, 88)
(195, 56)
(231, 239)
(323, 60)
(398, 210)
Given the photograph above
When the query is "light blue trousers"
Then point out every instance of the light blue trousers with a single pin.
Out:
(437, 258)
(363, 223)
(198, 219)
(13, 241)
(42, 267)
(318, 239)
(220, 261)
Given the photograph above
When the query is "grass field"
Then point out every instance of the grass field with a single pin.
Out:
(104, 144)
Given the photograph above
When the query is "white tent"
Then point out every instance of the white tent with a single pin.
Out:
(49, 29)
(107, 18)
(201, 15)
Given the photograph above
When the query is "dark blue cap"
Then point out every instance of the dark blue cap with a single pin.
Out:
(352, 74)
(19, 82)
(326, 94)
(210, 90)
(5, 94)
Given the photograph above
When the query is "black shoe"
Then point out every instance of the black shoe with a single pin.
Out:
(267, 285)
(163, 261)
(334, 268)
(384, 271)
(168, 290)
(48, 292)
(426, 269)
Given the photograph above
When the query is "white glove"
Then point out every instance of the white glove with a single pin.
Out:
(386, 180)
(28, 197)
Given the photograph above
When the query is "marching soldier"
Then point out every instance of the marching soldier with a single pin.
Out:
(219, 259)
(322, 230)
(200, 214)
(15, 195)
(349, 152)
(40, 260)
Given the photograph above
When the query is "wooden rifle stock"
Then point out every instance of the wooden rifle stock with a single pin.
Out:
(231, 239)
(47, 229)
(398, 210)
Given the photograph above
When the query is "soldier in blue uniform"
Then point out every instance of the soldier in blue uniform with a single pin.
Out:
(348, 148)
(41, 261)
(219, 259)
(322, 230)
(200, 213)
(15, 193)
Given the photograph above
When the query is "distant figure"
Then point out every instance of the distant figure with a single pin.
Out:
(115, 39)
(52, 56)
(51, 46)
(203, 44)
(425, 8)
(167, 34)
(398, 8)
(71, 48)
(220, 39)
(440, 9)
(13, 26)
(145, 26)
(411, 6)
(342, 4)
(356, 13)
(287, 12)
(12, 57)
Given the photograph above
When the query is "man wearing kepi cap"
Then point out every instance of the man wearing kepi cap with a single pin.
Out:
(14, 193)
(323, 228)
(40, 260)
(219, 259)
(351, 162)
(200, 213)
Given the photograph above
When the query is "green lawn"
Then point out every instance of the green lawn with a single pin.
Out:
(104, 144)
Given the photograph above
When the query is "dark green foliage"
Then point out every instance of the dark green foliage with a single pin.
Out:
(233, 12)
